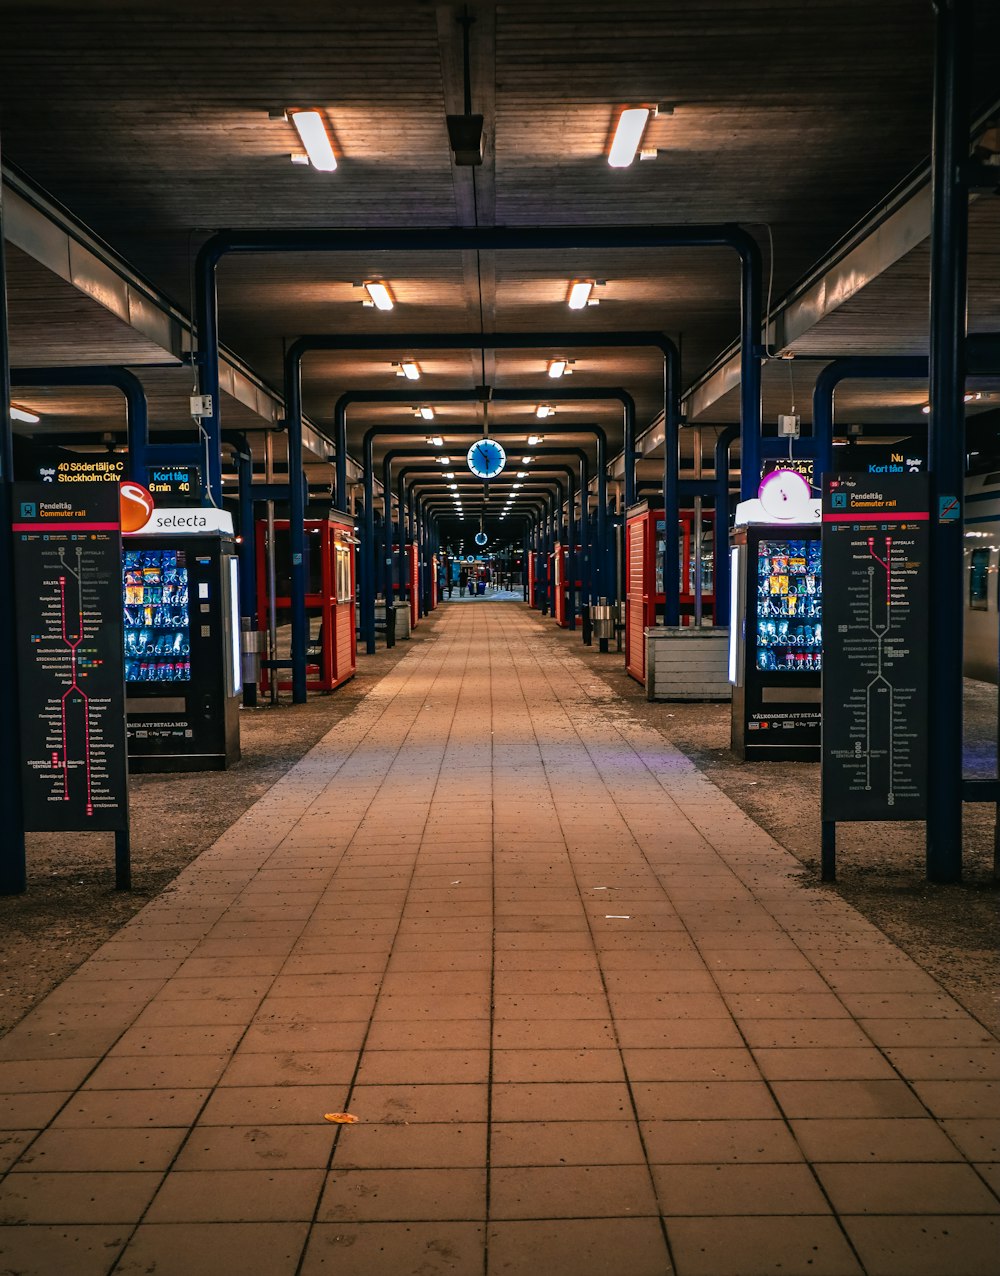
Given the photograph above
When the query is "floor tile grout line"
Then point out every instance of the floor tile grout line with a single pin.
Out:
(568, 660)
(194, 1123)
(361, 1050)
(611, 1016)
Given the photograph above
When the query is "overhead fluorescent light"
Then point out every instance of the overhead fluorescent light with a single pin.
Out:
(379, 295)
(522, 474)
(443, 460)
(409, 370)
(557, 367)
(453, 487)
(313, 135)
(579, 293)
(535, 439)
(543, 410)
(427, 412)
(448, 474)
(22, 414)
(628, 135)
(526, 460)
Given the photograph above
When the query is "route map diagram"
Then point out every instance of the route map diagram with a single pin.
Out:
(875, 672)
(72, 682)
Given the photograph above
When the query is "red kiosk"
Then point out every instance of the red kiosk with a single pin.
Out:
(644, 596)
(330, 597)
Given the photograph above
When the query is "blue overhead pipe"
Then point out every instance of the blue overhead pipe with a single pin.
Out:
(488, 239)
(415, 431)
(13, 862)
(141, 453)
(461, 341)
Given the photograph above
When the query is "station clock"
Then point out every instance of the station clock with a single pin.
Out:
(486, 458)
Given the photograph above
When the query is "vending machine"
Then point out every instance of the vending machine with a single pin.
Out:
(182, 642)
(776, 634)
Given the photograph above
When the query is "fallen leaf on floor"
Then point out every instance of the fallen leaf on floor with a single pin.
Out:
(340, 1118)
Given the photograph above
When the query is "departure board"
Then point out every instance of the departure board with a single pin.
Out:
(876, 601)
(67, 562)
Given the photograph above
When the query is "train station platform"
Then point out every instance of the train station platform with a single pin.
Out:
(591, 1020)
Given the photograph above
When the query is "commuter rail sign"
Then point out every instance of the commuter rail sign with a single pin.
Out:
(68, 570)
(876, 601)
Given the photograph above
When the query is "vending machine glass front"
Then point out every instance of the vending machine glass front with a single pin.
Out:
(789, 606)
(157, 622)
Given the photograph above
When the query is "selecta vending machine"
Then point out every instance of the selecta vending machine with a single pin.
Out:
(182, 641)
(776, 632)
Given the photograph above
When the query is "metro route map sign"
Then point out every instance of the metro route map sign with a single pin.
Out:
(876, 600)
(67, 563)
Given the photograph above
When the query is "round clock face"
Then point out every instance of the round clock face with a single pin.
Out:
(481, 538)
(486, 458)
(785, 495)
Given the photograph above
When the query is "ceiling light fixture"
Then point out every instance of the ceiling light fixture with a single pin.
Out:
(379, 295)
(22, 414)
(407, 369)
(443, 460)
(558, 368)
(628, 134)
(535, 439)
(427, 412)
(522, 474)
(579, 293)
(543, 410)
(526, 460)
(313, 135)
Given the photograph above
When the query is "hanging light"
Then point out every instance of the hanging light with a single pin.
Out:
(22, 414)
(628, 134)
(313, 135)
(379, 295)
(579, 293)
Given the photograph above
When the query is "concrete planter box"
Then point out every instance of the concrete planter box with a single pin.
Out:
(687, 664)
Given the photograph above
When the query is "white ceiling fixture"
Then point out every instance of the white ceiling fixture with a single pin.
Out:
(560, 368)
(18, 413)
(628, 135)
(379, 295)
(543, 410)
(534, 440)
(526, 460)
(311, 129)
(407, 369)
(579, 293)
(443, 460)
(522, 474)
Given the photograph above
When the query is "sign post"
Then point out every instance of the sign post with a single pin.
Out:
(67, 564)
(876, 541)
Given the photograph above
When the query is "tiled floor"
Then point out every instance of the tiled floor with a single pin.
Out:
(590, 1018)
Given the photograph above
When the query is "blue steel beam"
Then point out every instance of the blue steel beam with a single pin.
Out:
(489, 239)
(366, 572)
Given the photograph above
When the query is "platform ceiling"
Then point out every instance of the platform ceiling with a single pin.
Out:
(151, 123)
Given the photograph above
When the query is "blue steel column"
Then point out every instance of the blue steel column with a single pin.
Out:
(946, 433)
(13, 869)
(751, 297)
(671, 489)
(628, 404)
(367, 550)
(722, 581)
(207, 357)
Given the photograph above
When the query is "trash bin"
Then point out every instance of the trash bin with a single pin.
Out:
(402, 612)
(602, 620)
(251, 646)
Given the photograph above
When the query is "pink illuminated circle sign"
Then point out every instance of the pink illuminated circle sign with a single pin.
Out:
(785, 495)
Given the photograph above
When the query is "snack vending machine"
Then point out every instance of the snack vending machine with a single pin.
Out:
(776, 642)
(182, 643)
